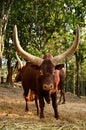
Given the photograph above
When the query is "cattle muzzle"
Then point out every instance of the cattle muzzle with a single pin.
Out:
(48, 87)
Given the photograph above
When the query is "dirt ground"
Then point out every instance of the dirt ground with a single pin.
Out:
(13, 115)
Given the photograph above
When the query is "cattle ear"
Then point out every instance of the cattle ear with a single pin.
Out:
(60, 66)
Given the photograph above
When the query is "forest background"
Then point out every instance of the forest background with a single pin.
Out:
(44, 26)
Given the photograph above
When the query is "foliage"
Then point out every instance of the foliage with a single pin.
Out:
(47, 26)
(37, 21)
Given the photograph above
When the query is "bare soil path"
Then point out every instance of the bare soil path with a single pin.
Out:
(13, 116)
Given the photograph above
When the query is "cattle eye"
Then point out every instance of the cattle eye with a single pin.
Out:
(41, 72)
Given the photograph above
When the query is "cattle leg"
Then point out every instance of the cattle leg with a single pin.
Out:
(37, 104)
(26, 100)
(60, 98)
(62, 94)
(54, 104)
(42, 104)
(63, 97)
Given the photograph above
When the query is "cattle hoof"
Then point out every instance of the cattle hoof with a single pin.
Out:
(57, 117)
(63, 102)
(41, 116)
(37, 113)
(26, 110)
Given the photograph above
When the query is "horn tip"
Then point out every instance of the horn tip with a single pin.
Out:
(15, 27)
(78, 27)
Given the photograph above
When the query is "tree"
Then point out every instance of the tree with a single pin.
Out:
(4, 15)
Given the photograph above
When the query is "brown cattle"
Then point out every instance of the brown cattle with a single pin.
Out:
(62, 76)
(59, 80)
(40, 76)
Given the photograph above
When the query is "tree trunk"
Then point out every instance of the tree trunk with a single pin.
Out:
(9, 76)
(1, 52)
(10, 70)
(74, 79)
(5, 11)
(66, 76)
(77, 71)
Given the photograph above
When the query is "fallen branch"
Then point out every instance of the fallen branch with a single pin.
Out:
(71, 127)
(64, 126)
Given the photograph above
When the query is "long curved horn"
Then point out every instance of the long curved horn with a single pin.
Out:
(20, 65)
(35, 60)
(70, 51)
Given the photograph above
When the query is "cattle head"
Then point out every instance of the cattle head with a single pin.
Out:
(47, 70)
(48, 63)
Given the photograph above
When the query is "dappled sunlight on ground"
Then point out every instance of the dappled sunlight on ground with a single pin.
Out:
(13, 115)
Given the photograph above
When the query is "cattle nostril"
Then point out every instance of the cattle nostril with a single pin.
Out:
(45, 87)
(51, 86)
(48, 87)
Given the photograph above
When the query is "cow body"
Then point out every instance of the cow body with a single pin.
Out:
(32, 79)
(42, 85)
